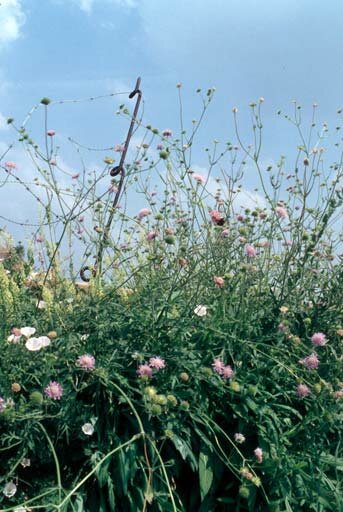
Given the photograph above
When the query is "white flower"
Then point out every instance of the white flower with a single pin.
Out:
(45, 341)
(200, 310)
(9, 489)
(27, 331)
(239, 438)
(34, 344)
(41, 304)
(88, 429)
(13, 339)
(25, 463)
(21, 509)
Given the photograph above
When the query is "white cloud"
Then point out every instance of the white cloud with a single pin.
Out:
(87, 5)
(11, 20)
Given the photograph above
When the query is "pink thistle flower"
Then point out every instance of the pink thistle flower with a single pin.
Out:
(259, 455)
(318, 339)
(86, 361)
(199, 178)
(303, 391)
(218, 366)
(217, 217)
(144, 370)
(167, 133)
(159, 147)
(240, 218)
(239, 438)
(281, 212)
(119, 148)
(225, 233)
(151, 236)
(50, 133)
(228, 372)
(54, 390)
(219, 281)
(10, 165)
(144, 212)
(157, 362)
(250, 251)
(310, 362)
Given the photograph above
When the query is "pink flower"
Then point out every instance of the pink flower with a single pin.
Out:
(119, 148)
(144, 370)
(159, 147)
(228, 372)
(250, 251)
(113, 189)
(318, 339)
(10, 165)
(240, 218)
(199, 178)
(217, 217)
(86, 361)
(50, 133)
(151, 236)
(219, 281)
(144, 212)
(75, 176)
(303, 391)
(2, 404)
(310, 362)
(282, 327)
(54, 390)
(225, 233)
(259, 455)
(281, 212)
(157, 362)
(218, 366)
(338, 394)
(167, 133)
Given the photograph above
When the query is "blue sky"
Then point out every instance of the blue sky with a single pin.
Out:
(278, 49)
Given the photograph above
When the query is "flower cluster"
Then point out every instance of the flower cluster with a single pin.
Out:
(145, 370)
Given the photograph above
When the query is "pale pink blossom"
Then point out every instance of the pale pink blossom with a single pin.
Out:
(259, 455)
(310, 362)
(250, 251)
(219, 281)
(113, 189)
(167, 133)
(50, 133)
(216, 217)
(75, 176)
(199, 178)
(225, 233)
(318, 339)
(281, 212)
(10, 165)
(144, 212)
(228, 372)
(86, 361)
(157, 362)
(218, 366)
(119, 148)
(159, 147)
(144, 370)
(303, 391)
(54, 390)
(151, 236)
(240, 218)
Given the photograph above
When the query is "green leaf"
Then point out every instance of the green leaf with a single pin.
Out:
(205, 473)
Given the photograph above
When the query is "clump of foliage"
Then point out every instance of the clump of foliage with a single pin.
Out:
(201, 368)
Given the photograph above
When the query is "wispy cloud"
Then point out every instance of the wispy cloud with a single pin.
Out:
(88, 5)
(12, 19)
